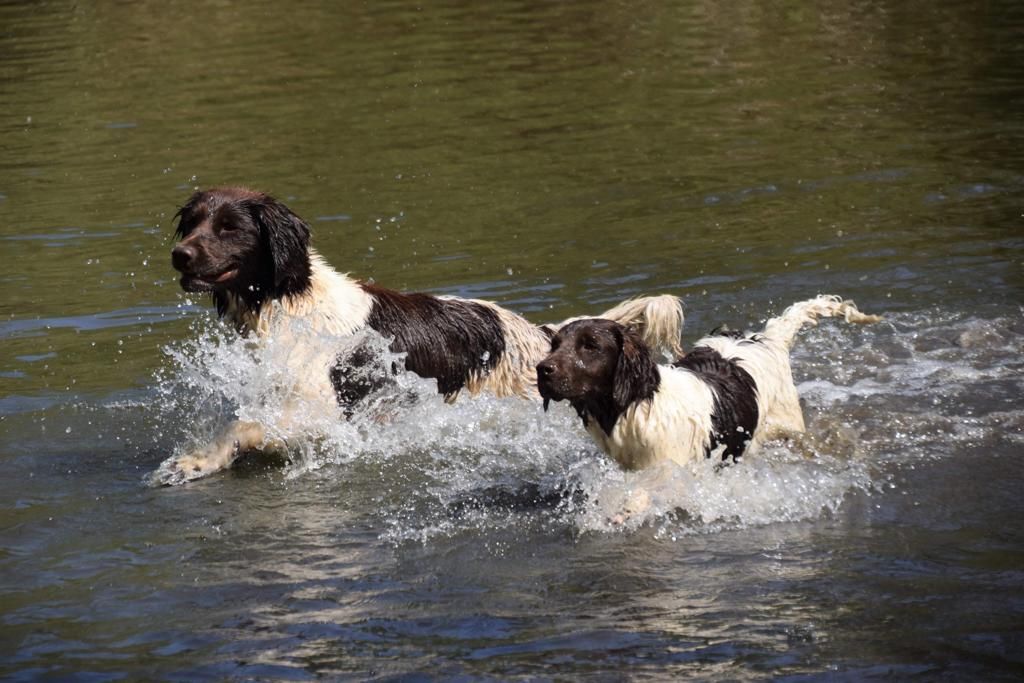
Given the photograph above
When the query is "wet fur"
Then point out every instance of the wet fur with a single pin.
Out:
(449, 340)
(725, 397)
(253, 255)
(735, 413)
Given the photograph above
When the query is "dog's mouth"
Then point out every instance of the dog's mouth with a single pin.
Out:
(191, 282)
(548, 392)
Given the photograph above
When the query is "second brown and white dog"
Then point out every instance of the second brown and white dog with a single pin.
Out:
(252, 254)
(723, 399)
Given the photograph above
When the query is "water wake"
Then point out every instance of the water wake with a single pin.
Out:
(895, 392)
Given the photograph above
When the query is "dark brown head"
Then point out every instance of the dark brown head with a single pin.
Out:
(237, 241)
(600, 367)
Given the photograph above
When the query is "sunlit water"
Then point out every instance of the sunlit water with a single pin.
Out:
(486, 451)
(557, 159)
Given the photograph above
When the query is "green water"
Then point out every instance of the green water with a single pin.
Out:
(556, 158)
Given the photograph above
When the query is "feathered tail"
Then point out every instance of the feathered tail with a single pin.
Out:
(658, 319)
(785, 327)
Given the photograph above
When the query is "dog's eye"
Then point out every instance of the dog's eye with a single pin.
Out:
(590, 345)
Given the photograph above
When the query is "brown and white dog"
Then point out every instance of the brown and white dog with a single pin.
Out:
(725, 397)
(253, 255)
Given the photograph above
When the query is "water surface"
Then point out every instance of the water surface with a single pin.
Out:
(555, 158)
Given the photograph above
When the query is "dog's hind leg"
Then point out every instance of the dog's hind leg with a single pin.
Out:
(238, 437)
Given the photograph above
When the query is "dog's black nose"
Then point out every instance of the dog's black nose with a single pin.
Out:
(182, 257)
(545, 369)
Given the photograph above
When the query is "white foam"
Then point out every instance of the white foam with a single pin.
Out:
(439, 455)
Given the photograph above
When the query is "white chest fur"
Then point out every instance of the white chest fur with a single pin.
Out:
(674, 424)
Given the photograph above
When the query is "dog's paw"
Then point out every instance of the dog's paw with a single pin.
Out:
(635, 505)
(181, 469)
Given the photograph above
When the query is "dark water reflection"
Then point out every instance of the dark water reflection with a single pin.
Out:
(554, 157)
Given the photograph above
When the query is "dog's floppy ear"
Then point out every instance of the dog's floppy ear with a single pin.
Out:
(185, 216)
(285, 238)
(636, 375)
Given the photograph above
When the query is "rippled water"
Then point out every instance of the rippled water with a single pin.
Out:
(555, 158)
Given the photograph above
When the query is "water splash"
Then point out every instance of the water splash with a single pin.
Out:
(872, 395)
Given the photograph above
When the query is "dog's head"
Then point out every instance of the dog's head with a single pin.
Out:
(241, 242)
(600, 367)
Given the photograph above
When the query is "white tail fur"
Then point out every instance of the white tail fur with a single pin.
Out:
(658, 319)
(785, 327)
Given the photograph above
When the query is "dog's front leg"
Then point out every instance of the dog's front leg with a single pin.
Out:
(654, 483)
(234, 439)
(637, 503)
